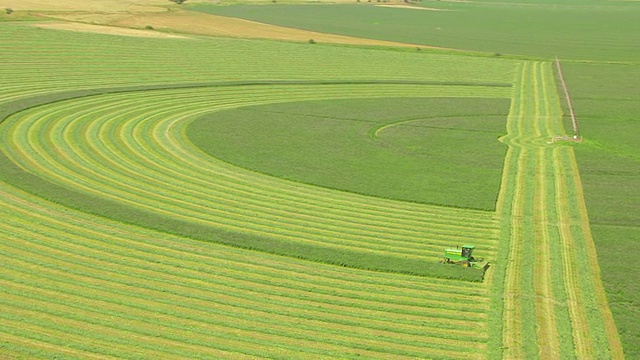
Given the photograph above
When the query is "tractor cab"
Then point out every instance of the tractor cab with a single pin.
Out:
(467, 251)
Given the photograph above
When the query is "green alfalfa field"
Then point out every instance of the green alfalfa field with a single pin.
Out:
(598, 45)
(122, 238)
(108, 197)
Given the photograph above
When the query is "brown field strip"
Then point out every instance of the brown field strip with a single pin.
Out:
(86, 5)
(126, 17)
(111, 30)
(175, 24)
(213, 25)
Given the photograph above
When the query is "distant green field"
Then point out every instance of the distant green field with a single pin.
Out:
(570, 30)
(432, 150)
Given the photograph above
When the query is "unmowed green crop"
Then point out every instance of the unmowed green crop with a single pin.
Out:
(441, 151)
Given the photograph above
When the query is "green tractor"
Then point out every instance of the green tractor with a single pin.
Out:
(463, 256)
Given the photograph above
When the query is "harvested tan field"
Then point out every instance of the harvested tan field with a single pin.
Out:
(87, 5)
(112, 30)
(205, 24)
(413, 7)
(129, 17)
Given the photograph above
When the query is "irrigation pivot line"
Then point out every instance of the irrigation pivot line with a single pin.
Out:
(574, 121)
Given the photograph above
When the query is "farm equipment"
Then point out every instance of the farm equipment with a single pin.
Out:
(463, 256)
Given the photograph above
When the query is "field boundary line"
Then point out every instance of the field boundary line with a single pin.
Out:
(574, 121)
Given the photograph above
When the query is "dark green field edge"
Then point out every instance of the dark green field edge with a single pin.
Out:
(16, 176)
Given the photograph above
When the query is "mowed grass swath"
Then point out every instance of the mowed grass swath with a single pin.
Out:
(172, 291)
(108, 198)
(114, 268)
(173, 181)
(597, 43)
(542, 193)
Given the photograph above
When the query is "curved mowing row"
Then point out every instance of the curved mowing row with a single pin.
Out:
(135, 291)
(37, 61)
(79, 279)
(127, 148)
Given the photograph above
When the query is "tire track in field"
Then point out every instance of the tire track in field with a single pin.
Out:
(555, 210)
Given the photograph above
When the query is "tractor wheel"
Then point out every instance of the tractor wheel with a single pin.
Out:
(465, 264)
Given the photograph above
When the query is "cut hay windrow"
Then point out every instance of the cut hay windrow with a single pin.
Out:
(126, 177)
(560, 307)
(96, 161)
(61, 278)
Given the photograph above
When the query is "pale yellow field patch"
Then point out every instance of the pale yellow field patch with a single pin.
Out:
(111, 30)
(131, 17)
(413, 7)
(205, 24)
(87, 5)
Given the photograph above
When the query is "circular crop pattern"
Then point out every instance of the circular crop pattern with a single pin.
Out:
(131, 149)
(126, 157)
